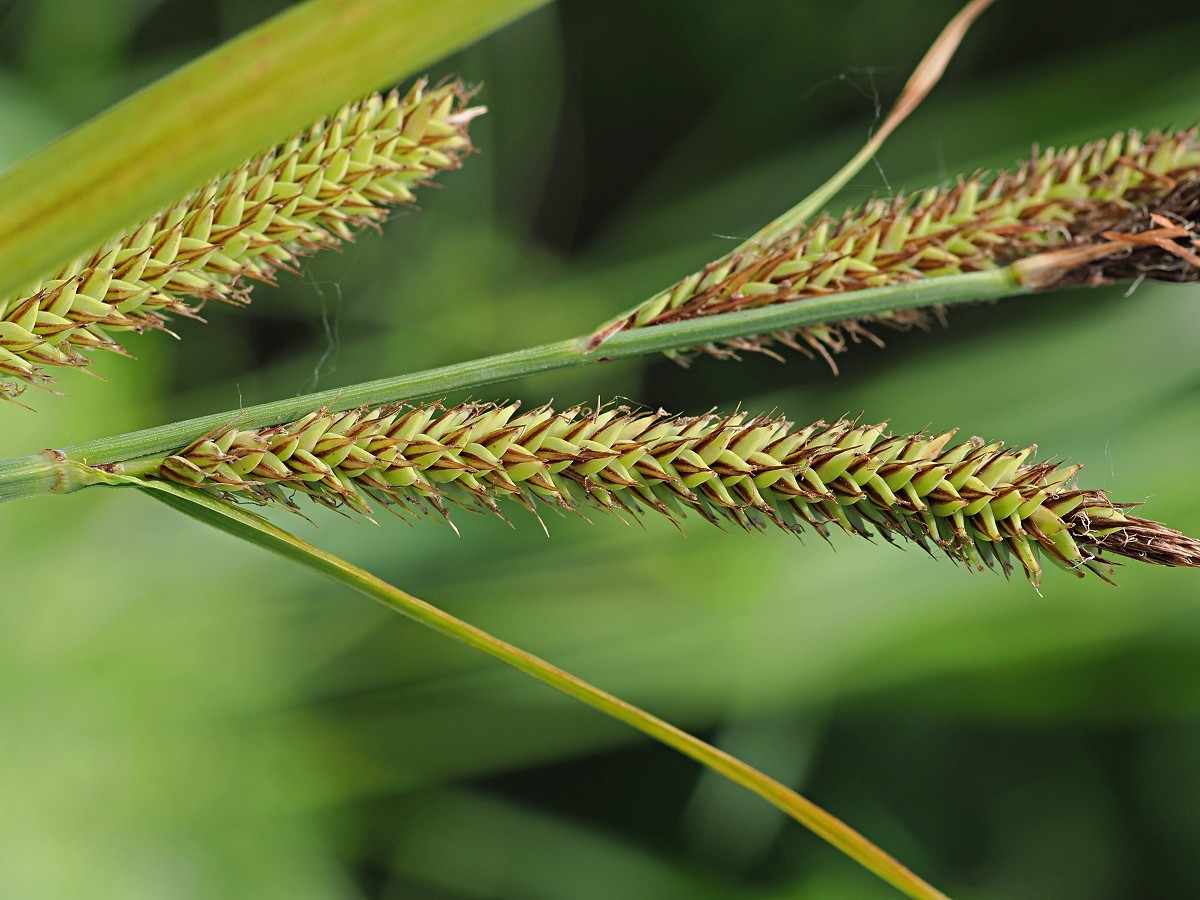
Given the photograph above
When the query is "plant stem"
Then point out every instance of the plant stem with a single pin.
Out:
(258, 531)
(216, 112)
(927, 74)
(35, 475)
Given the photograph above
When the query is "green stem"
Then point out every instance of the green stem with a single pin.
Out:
(816, 201)
(35, 475)
(927, 74)
(258, 531)
(213, 114)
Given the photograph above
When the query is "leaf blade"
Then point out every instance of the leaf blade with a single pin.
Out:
(214, 113)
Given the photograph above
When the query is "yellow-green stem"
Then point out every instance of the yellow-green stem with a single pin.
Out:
(253, 528)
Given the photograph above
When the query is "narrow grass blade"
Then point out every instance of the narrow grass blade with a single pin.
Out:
(261, 533)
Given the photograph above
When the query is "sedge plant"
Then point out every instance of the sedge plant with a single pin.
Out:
(1120, 208)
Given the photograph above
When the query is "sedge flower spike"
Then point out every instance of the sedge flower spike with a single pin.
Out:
(312, 192)
(982, 504)
(1058, 199)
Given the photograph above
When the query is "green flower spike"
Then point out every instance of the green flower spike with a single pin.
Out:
(982, 504)
(1058, 199)
(313, 192)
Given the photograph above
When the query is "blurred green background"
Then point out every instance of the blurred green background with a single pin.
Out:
(186, 717)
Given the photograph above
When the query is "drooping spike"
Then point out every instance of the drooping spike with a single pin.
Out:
(752, 472)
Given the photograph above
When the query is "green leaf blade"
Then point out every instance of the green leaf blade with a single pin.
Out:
(211, 115)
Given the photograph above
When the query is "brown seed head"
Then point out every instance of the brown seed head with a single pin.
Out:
(1057, 199)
